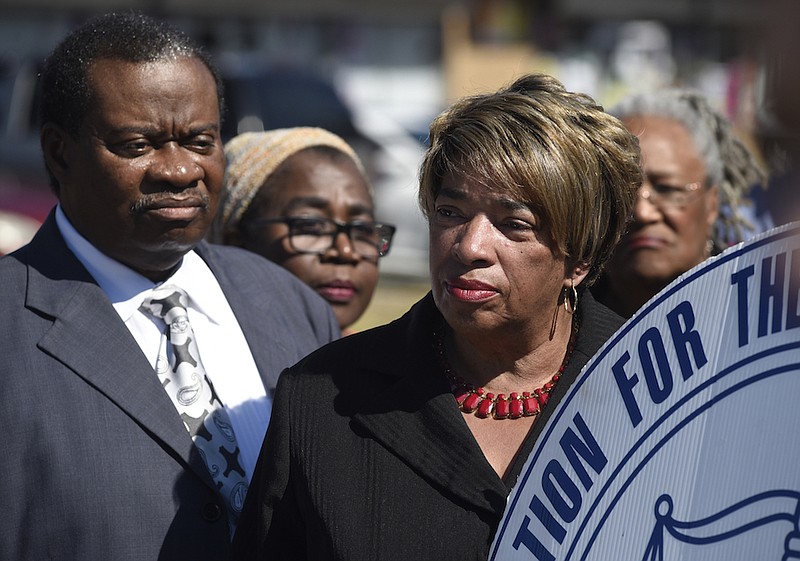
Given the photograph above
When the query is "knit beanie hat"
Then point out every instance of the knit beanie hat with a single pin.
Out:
(253, 157)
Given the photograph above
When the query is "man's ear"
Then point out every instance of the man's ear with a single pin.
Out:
(54, 146)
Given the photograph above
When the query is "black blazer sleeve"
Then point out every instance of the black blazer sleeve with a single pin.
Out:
(270, 526)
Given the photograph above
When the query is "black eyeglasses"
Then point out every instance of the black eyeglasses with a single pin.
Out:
(370, 240)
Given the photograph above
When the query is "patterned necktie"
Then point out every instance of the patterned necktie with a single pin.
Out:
(184, 379)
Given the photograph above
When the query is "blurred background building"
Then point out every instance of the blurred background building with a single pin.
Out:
(377, 71)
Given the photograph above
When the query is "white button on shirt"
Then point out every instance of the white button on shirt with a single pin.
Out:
(223, 348)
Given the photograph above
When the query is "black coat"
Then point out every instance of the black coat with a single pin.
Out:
(368, 457)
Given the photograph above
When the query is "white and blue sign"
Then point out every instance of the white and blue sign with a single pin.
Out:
(680, 440)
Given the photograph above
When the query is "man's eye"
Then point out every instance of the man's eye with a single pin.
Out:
(131, 148)
(202, 143)
(137, 146)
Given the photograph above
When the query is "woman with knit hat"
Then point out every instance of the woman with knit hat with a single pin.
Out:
(300, 197)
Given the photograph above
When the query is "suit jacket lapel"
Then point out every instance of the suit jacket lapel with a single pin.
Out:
(89, 338)
(248, 303)
(414, 416)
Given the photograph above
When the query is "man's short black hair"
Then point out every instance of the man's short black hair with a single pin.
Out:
(124, 36)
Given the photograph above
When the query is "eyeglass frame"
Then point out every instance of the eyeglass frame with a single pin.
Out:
(688, 191)
(341, 227)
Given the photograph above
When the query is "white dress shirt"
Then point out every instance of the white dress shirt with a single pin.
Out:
(220, 341)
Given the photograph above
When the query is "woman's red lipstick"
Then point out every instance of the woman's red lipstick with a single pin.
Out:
(469, 290)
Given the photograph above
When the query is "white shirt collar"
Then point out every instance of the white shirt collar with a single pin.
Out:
(126, 288)
(201, 285)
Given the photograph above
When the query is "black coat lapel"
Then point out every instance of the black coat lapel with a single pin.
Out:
(409, 408)
(412, 413)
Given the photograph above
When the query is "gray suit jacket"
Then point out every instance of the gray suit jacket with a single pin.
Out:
(96, 463)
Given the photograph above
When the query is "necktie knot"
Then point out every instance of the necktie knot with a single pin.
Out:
(167, 302)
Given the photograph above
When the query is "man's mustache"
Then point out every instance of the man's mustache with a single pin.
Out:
(169, 200)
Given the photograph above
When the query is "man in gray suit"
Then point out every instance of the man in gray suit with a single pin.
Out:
(99, 459)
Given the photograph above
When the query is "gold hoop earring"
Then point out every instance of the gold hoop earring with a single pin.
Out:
(571, 298)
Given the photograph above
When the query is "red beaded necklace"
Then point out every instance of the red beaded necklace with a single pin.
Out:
(485, 404)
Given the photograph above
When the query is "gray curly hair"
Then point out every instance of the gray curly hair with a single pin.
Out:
(730, 164)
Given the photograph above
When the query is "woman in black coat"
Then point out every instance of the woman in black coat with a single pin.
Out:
(403, 442)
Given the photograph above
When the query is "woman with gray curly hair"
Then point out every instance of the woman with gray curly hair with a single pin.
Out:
(697, 175)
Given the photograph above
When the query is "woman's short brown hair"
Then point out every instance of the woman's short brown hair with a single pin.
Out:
(573, 164)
